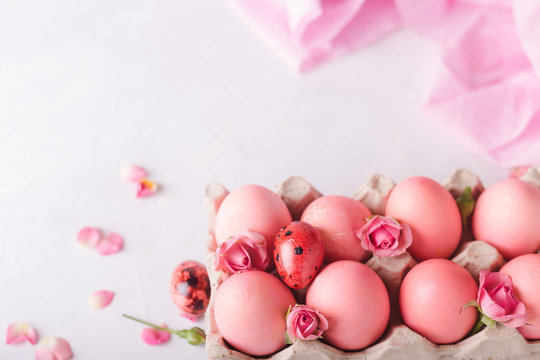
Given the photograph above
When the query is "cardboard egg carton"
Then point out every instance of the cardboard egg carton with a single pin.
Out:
(398, 342)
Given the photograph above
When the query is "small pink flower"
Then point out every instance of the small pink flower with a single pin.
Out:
(305, 323)
(146, 188)
(496, 300)
(53, 348)
(133, 173)
(100, 299)
(243, 252)
(153, 336)
(18, 332)
(88, 237)
(110, 244)
(384, 236)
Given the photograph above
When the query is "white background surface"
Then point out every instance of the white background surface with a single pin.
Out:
(183, 89)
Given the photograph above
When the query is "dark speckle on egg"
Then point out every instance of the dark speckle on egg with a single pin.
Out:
(288, 233)
(277, 257)
(298, 250)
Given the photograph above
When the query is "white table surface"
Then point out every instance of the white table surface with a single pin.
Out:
(185, 90)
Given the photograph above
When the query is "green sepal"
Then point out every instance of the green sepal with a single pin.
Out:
(488, 321)
(286, 339)
(288, 311)
(470, 303)
(466, 205)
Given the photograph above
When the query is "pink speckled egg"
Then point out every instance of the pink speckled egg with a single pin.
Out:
(525, 273)
(190, 289)
(507, 217)
(354, 300)
(431, 212)
(338, 218)
(250, 311)
(431, 297)
(255, 208)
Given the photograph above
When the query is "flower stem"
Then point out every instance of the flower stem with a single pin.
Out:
(477, 327)
(170, 331)
(194, 336)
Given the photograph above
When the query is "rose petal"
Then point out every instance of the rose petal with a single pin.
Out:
(53, 348)
(111, 244)
(153, 336)
(133, 173)
(146, 188)
(88, 237)
(18, 332)
(100, 299)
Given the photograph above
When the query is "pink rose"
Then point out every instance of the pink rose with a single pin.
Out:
(242, 252)
(384, 236)
(496, 300)
(305, 323)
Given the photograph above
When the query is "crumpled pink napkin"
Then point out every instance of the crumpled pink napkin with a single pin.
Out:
(487, 93)
(306, 33)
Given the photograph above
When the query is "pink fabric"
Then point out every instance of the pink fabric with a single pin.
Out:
(487, 92)
(306, 33)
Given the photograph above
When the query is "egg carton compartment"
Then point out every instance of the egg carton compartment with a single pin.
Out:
(398, 342)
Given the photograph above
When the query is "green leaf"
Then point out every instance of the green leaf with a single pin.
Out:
(470, 303)
(466, 205)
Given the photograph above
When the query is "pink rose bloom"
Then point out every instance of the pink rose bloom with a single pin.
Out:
(496, 300)
(305, 323)
(242, 252)
(384, 236)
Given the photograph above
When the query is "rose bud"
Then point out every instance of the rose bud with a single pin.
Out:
(304, 323)
(242, 252)
(384, 236)
(497, 301)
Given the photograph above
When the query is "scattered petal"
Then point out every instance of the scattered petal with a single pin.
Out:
(133, 173)
(18, 332)
(53, 348)
(146, 188)
(100, 299)
(110, 244)
(88, 237)
(153, 336)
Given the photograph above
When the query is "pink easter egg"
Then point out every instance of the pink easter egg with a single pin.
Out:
(431, 297)
(431, 212)
(338, 218)
(254, 208)
(525, 273)
(354, 300)
(250, 310)
(507, 216)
